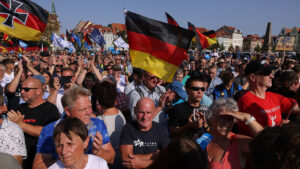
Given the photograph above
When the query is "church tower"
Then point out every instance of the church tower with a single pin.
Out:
(53, 25)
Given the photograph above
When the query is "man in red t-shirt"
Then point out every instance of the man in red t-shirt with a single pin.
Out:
(265, 107)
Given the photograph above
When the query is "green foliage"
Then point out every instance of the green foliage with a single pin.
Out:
(221, 48)
(257, 48)
(231, 48)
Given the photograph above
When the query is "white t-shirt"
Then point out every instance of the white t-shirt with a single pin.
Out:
(94, 162)
(7, 78)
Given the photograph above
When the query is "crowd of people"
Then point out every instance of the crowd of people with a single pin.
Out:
(95, 110)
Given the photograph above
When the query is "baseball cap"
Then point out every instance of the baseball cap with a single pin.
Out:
(257, 67)
(178, 88)
(40, 78)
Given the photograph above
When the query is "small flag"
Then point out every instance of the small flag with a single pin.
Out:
(202, 41)
(171, 20)
(87, 38)
(23, 44)
(155, 46)
(87, 45)
(120, 43)
(97, 37)
(22, 19)
(69, 37)
(76, 40)
(211, 34)
(59, 42)
(7, 39)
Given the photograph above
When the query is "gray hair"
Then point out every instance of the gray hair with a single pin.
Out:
(214, 108)
(179, 71)
(71, 95)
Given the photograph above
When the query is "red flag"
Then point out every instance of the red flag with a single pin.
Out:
(171, 20)
(202, 41)
(7, 39)
(87, 38)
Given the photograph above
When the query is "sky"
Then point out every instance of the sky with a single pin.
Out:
(250, 16)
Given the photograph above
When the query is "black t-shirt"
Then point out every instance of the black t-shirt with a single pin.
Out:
(37, 116)
(144, 142)
(179, 114)
(13, 98)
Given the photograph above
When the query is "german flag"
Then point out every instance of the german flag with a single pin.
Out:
(211, 34)
(203, 41)
(22, 19)
(7, 39)
(87, 38)
(171, 20)
(69, 37)
(156, 47)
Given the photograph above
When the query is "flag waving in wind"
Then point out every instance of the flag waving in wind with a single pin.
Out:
(156, 47)
(59, 42)
(202, 41)
(22, 19)
(171, 20)
(97, 37)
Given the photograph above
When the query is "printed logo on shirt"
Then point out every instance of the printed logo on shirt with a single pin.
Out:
(274, 109)
(29, 120)
(139, 143)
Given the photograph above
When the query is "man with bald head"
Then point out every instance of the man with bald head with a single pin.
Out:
(33, 115)
(141, 139)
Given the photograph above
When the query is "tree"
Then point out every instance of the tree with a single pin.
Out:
(257, 48)
(231, 48)
(221, 48)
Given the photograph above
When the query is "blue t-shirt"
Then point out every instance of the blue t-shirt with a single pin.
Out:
(46, 143)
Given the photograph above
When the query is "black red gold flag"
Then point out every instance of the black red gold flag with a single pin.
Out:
(22, 19)
(155, 46)
(202, 41)
(171, 20)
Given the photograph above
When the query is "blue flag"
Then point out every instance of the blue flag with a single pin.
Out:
(97, 37)
(23, 44)
(87, 45)
(77, 40)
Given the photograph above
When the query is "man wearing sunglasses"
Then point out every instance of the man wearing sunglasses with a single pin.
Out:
(150, 88)
(33, 115)
(185, 118)
(265, 107)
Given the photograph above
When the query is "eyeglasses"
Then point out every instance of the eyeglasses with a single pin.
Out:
(185, 70)
(27, 89)
(152, 77)
(197, 88)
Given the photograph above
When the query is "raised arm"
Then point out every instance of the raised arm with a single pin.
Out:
(12, 87)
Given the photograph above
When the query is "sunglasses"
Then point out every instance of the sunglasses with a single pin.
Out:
(152, 77)
(197, 88)
(27, 89)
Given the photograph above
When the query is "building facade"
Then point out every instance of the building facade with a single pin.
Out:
(109, 33)
(293, 33)
(250, 42)
(230, 36)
